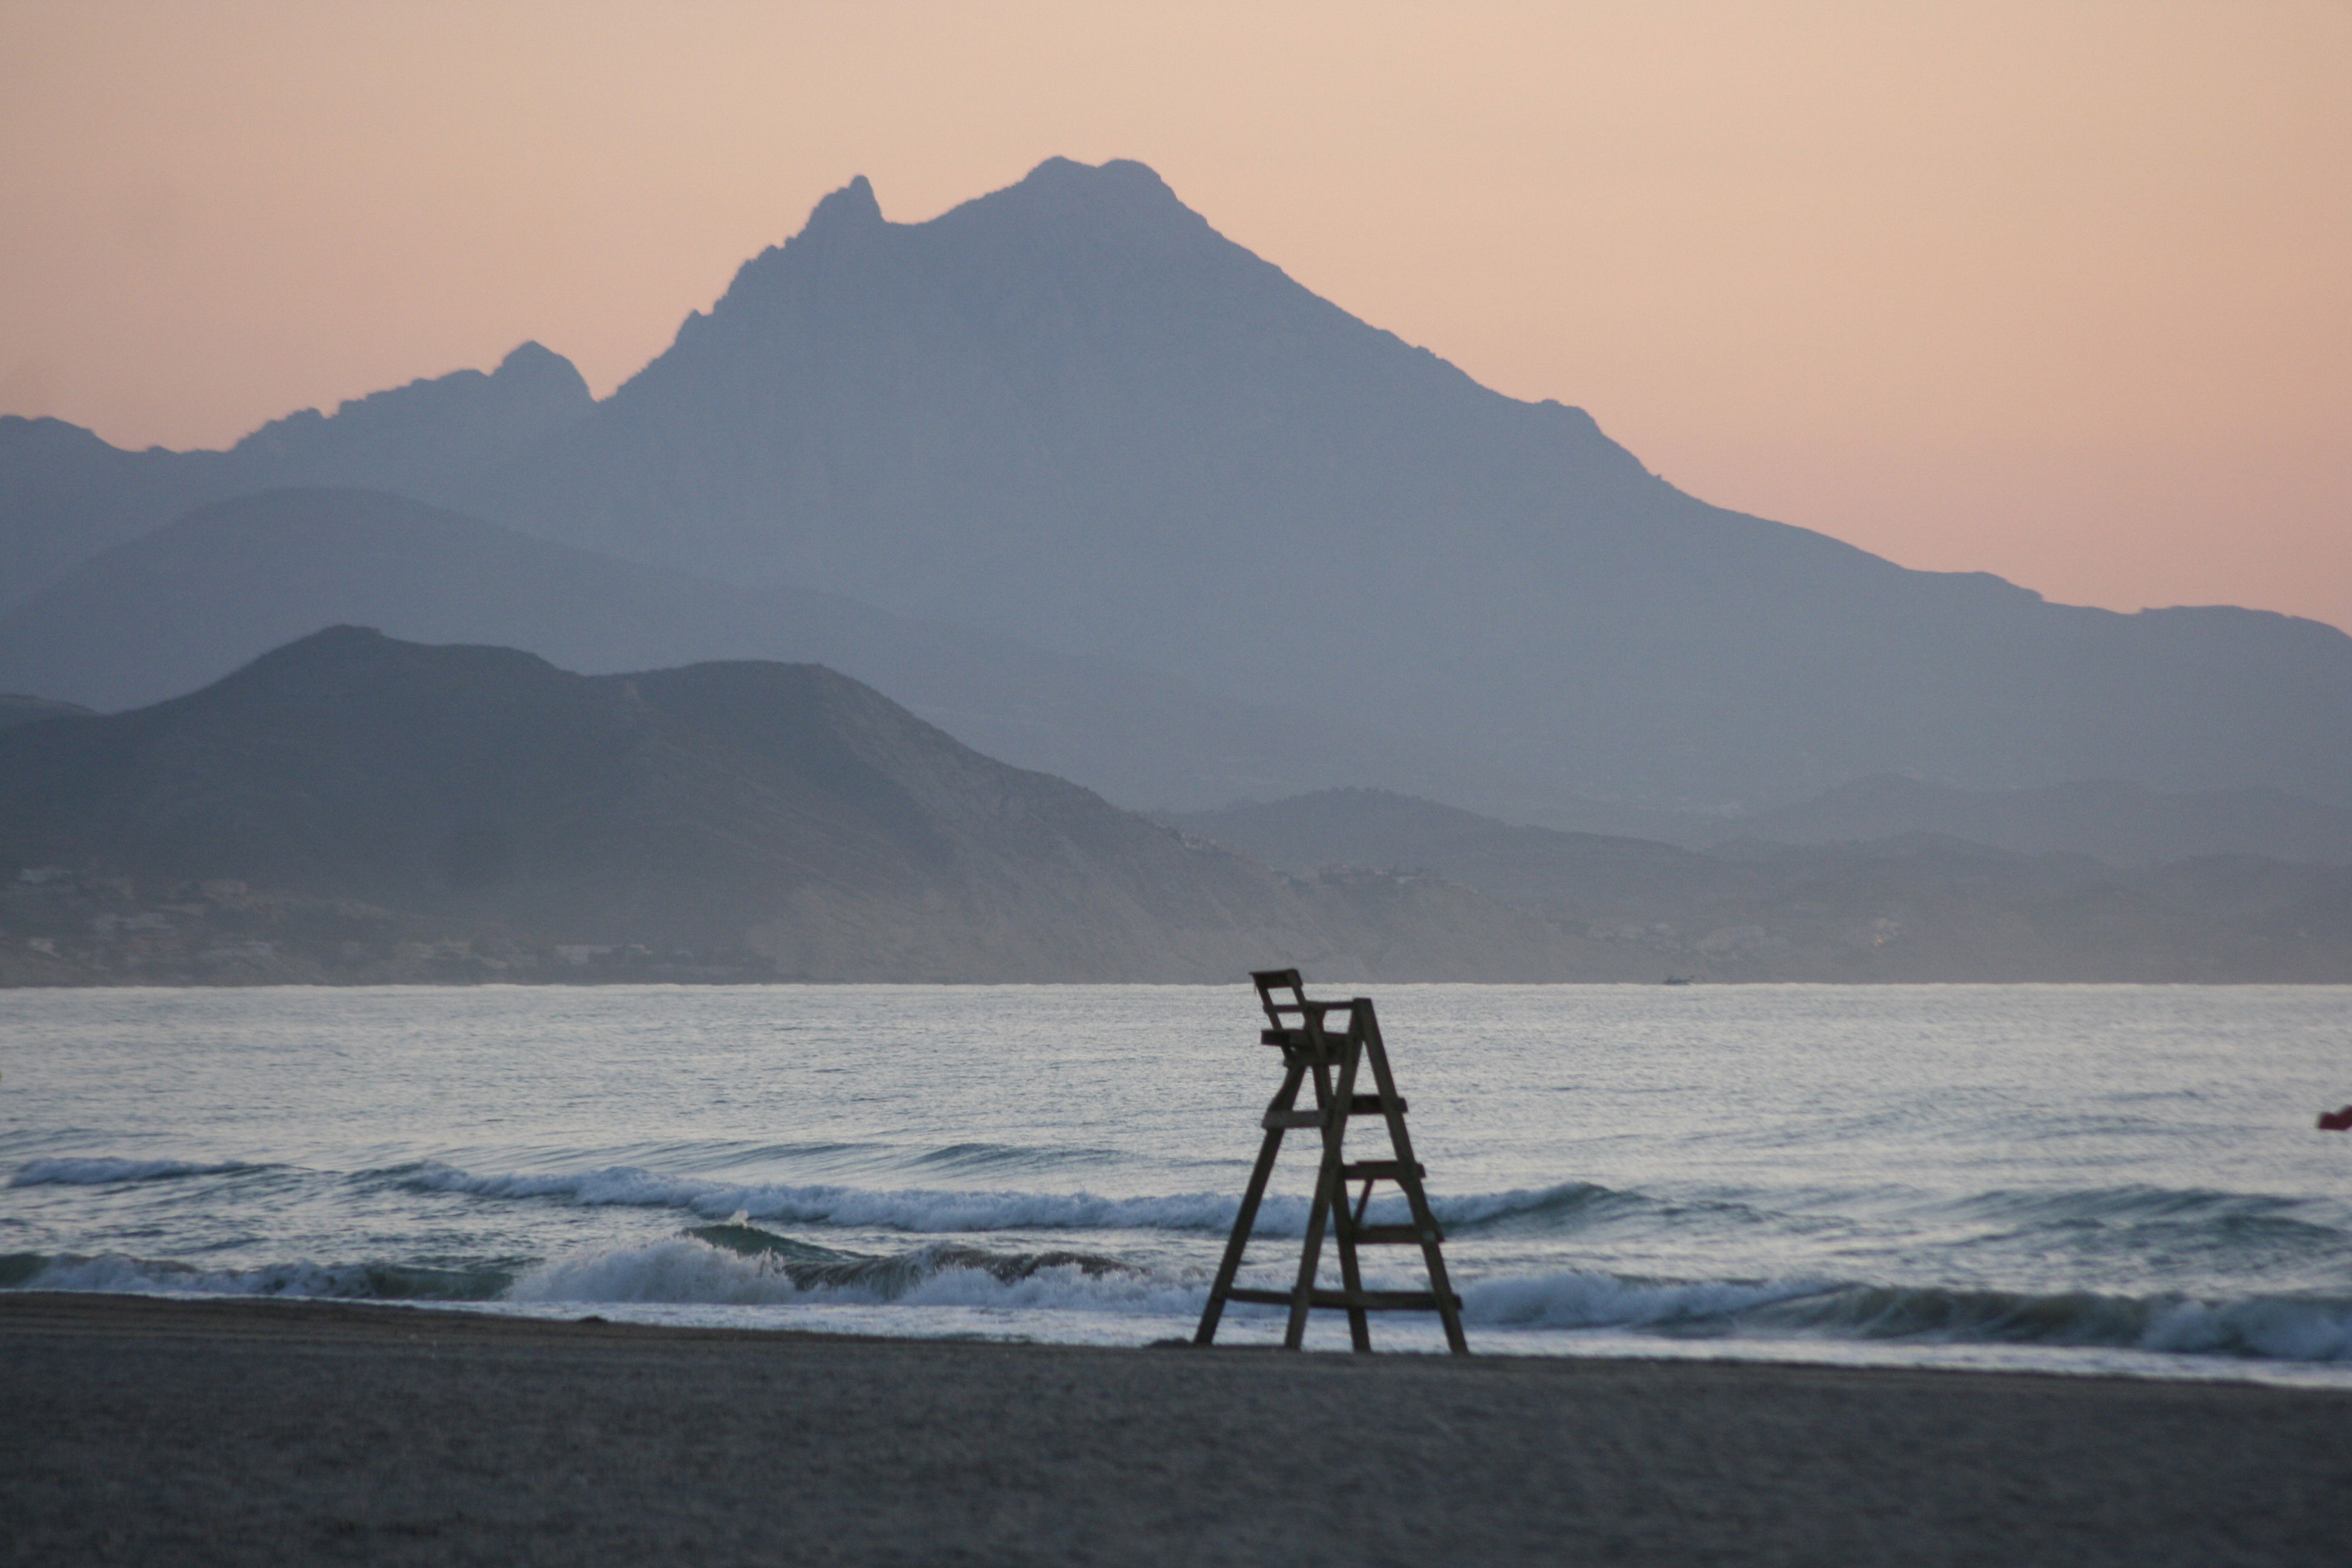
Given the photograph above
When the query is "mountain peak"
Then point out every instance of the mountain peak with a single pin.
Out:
(1112, 174)
(533, 361)
(1121, 188)
(853, 205)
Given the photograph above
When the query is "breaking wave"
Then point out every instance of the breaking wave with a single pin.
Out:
(2283, 1328)
(736, 1264)
(925, 1211)
(695, 1269)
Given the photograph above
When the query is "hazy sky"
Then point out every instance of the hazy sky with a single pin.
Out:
(2058, 290)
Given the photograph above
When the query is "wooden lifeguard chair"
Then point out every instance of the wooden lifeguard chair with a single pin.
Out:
(1318, 1049)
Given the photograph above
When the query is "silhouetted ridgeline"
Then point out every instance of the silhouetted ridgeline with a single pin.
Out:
(64, 495)
(18, 709)
(1070, 414)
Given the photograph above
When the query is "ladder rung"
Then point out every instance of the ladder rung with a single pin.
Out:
(1384, 1300)
(1358, 1105)
(1370, 1301)
(1263, 1298)
(1393, 1235)
(1379, 1170)
(1300, 1040)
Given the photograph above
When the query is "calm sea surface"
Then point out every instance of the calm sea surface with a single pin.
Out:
(2113, 1179)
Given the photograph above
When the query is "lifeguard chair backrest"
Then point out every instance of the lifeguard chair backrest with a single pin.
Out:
(1293, 1021)
(1270, 981)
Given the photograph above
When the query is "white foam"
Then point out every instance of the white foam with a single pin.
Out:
(1579, 1300)
(2275, 1328)
(685, 1271)
(676, 1270)
(682, 1270)
(2272, 1327)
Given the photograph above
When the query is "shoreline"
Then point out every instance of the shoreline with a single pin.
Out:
(1978, 1358)
(258, 1430)
(689, 983)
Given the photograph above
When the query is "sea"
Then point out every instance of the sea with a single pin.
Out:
(2109, 1180)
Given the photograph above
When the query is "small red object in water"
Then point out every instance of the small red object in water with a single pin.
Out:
(2336, 1120)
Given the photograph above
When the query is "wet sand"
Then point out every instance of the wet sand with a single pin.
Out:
(136, 1430)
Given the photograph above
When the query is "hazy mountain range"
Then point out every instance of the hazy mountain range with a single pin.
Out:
(198, 598)
(1071, 411)
(1099, 493)
(1071, 415)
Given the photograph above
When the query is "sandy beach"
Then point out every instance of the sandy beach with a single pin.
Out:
(244, 1431)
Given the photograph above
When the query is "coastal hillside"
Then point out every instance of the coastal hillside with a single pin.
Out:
(2123, 823)
(1905, 906)
(356, 806)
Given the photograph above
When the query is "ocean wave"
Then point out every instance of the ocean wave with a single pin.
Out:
(738, 1264)
(907, 1209)
(2281, 1328)
(690, 1270)
(118, 1274)
(1571, 1206)
(2135, 1201)
(1585, 1300)
(103, 1171)
(751, 1241)
(935, 1211)
(2138, 1234)
(1008, 1157)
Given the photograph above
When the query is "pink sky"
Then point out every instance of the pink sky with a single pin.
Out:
(2061, 292)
